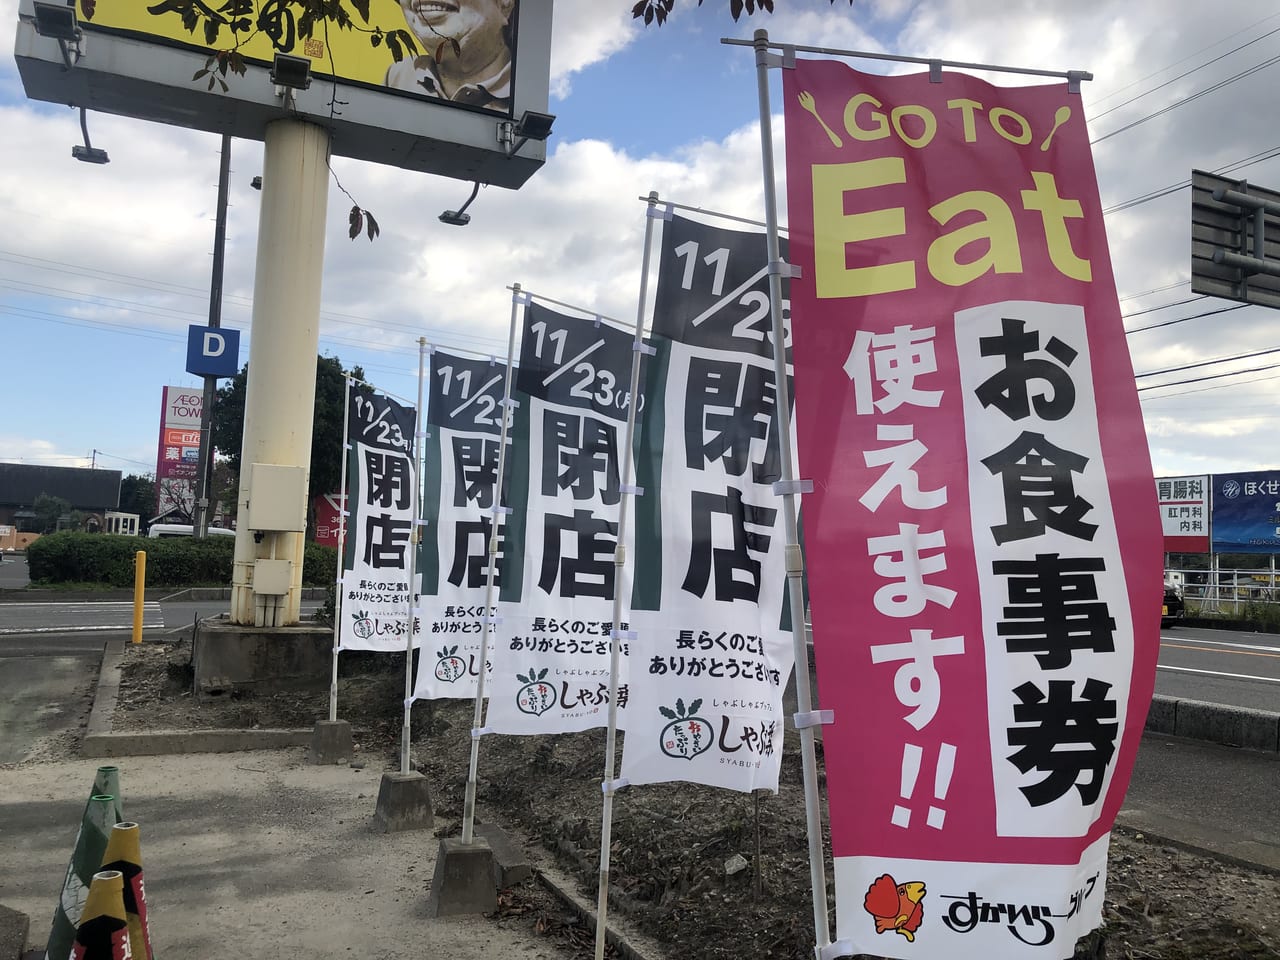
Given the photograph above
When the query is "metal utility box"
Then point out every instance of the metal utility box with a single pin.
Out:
(277, 498)
(272, 577)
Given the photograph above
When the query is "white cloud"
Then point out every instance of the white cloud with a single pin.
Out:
(584, 32)
(574, 231)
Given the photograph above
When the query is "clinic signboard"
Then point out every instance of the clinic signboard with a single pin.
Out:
(1246, 512)
(420, 86)
(1184, 513)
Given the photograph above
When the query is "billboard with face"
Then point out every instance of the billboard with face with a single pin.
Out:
(420, 84)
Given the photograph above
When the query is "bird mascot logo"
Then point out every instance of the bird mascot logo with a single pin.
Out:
(895, 906)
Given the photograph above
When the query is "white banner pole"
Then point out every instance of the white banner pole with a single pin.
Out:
(619, 561)
(469, 803)
(415, 537)
(795, 559)
(342, 545)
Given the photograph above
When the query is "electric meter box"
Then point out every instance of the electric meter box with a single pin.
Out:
(272, 576)
(278, 498)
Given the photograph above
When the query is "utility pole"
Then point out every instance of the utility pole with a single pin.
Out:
(204, 475)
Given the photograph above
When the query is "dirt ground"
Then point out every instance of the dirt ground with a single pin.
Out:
(703, 872)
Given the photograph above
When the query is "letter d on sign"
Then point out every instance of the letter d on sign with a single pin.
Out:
(212, 351)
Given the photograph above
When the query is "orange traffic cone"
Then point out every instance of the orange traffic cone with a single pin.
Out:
(103, 933)
(124, 853)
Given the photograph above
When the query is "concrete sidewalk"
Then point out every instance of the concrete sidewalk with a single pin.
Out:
(252, 855)
(261, 854)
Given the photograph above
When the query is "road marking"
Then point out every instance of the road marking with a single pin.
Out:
(1218, 673)
(1220, 643)
(77, 604)
(117, 627)
(121, 617)
(1238, 649)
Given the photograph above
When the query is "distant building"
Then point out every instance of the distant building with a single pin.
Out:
(92, 492)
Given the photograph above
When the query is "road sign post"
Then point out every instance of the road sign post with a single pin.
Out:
(1235, 240)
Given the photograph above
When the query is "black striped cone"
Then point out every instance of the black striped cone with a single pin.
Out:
(124, 853)
(103, 932)
(86, 857)
(106, 783)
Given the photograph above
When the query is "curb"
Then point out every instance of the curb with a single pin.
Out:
(156, 742)
(101, 741)
(561, 889)
(1174, 716)
(1215, 723)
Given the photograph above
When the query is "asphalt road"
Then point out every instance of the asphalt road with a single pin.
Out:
(13, 571)
(1220, 666)
(93, 616)
(1207, 796)
(50, 652)
(42, 696)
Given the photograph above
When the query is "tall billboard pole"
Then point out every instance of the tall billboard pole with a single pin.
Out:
(471, 108)
(281, 388)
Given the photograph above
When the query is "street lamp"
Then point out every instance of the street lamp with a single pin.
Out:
(532, 125)
(460, 217)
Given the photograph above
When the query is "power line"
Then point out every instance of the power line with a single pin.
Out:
(1217, 386)
(1147, 293)
(1206, 363)
(1189, 56)
(1259, 157)
(1194, 316)
(47, 456)
(1163, 306)
(1188, 99)
(113, 456)
(1213, 376)
(1188, 73)
(434, 334)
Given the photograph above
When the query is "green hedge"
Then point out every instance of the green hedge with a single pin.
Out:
(319, 565)
(70, 557)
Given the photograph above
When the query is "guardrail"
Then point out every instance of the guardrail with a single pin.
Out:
(1227, 591)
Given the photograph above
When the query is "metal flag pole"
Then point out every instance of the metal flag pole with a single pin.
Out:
(788, 487)
(414, 537)
(342, 547)
(609, 784)
(518, 299)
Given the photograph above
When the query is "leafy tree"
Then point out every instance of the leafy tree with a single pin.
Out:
(326, 438)
(225, 491)
(49, 510)
(138, 495)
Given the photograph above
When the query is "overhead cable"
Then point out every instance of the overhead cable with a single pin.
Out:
(1194, 316)
(1206, 363)
(1188, 99)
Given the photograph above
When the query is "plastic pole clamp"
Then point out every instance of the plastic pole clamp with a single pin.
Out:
(814, 718)
(784, 488)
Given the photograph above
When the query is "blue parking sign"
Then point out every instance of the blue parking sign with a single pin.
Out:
(212, 351)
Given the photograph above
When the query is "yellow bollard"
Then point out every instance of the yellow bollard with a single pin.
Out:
(139, 586)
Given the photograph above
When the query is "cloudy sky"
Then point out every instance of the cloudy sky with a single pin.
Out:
(103, 267)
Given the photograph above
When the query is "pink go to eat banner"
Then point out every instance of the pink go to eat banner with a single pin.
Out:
(982, 542)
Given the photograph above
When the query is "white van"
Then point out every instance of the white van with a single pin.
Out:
(158, 530)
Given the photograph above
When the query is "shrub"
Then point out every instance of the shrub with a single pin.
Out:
(71, 557)
(319, 565)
